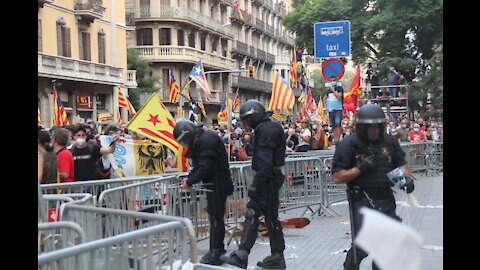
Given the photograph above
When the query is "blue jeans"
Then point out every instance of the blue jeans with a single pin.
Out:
(335, 118)
(393, 91)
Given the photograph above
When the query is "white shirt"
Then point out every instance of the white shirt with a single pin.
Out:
(305, 132)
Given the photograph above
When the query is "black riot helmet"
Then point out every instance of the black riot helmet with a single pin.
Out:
(184, 131)
(369, 117)
(252, 113)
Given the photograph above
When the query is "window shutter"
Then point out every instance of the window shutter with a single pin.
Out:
(180, 38)
(39, 35)
(101, 48)
(59, 40)
(80, 45)
(87, 46)
(67, 42)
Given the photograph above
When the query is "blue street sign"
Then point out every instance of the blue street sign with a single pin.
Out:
(332, 39)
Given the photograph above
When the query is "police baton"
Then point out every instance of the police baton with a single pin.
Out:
(352, 227)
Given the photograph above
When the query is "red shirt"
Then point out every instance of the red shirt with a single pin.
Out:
(416, 136)
(65, 164)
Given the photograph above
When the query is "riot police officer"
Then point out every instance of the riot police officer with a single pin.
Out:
(210, 166)
(363, 160)
(268, 156)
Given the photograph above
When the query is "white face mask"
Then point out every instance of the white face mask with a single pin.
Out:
(416, 129)
(81, 141)
(314, 126)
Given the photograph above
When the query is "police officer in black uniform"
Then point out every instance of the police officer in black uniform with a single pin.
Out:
(210, 166)
(363, 161)
(268, 156)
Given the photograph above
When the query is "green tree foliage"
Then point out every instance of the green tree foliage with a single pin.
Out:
(405, 34)
(145, 80)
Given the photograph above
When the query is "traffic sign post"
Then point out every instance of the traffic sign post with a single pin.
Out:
(333, 67)
(332, 39)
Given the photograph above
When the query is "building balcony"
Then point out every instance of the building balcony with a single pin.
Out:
(251, 83)
(88, 10)
(170, 53)
(181, 14)
(131, 79)
(54, 66)
(43, 2)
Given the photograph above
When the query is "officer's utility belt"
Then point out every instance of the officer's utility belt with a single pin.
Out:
(362, 193)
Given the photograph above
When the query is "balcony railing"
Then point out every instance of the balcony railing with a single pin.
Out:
(181, 14)
(55, 66)
(170, 53)
(251, 83)
(89, 10)
(131, 79)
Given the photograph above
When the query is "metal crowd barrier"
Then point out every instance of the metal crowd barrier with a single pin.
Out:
(303, 185)
(127, 205)
(156, 247)
(95, 187)
(101, 223)
(57, 235)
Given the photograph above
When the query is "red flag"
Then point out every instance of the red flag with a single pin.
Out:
(350, 99)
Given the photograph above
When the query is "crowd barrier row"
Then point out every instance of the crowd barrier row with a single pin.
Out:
(110, 208)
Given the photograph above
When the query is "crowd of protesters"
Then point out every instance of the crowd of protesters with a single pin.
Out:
(73, 152)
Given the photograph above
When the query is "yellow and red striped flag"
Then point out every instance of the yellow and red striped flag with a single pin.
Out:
(155, 122)
(182, 161)
(60, 117)
(235, 101)
(39, 118)
(119, 116)
(301, 98)
(200, 104)
(124, 102)
(293, 70)
(276, 115)
(173, 87)
(282, 95)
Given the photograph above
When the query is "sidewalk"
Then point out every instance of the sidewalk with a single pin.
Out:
(324, 242)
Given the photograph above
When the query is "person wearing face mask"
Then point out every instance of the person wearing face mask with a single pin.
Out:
(402, 130)
(416, 135)
(86, 154)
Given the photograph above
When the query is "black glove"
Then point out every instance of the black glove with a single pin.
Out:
(408, 184)
(365, 163)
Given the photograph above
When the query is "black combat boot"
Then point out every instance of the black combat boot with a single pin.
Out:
(213, 257)
(239, 258)
(274, 261)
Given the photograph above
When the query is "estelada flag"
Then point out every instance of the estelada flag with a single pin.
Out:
(60, 117)
(155, 122)
(282, 95)
(124, 102)
(223, 113)
(173, 87)
(198, 75)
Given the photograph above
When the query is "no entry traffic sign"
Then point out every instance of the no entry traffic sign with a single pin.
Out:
(333, 67)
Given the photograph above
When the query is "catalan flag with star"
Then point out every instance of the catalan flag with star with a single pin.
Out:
(282, 95)
(155, 122)
(173, 87)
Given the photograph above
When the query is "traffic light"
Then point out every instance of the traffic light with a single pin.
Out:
(251, 71)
